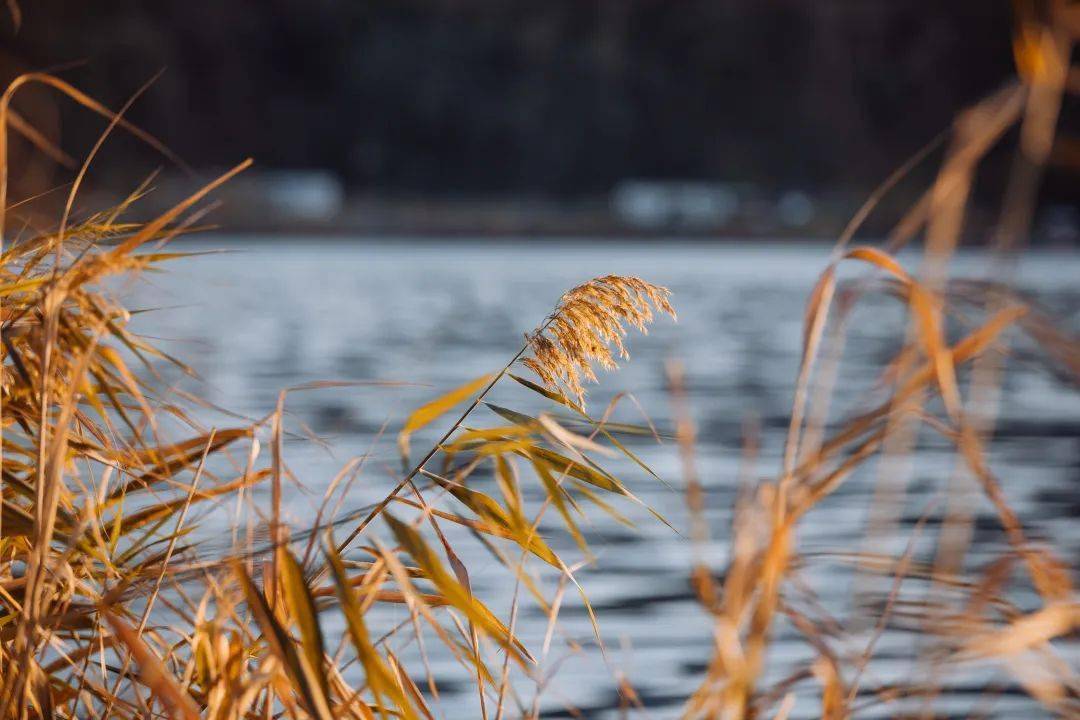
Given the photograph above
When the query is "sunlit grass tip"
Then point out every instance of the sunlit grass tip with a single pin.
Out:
(588, 322)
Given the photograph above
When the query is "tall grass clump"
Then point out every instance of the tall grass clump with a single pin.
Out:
(110, 603)
(1004, 619)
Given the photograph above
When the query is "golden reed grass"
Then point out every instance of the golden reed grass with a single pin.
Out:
(110, 608)
(963, 614)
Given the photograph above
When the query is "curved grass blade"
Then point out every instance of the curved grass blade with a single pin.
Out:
(426, 414)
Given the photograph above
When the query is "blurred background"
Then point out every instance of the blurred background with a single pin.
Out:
(607, 117)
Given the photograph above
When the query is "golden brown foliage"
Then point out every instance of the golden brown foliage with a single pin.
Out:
(962, 614)
(108, 608)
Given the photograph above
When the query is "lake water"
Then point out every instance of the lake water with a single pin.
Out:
(269, 315)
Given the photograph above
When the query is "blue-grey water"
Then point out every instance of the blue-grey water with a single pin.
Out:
(267, 315)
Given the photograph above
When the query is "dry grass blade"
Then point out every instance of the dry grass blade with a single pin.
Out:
(379, 677)
(304, 678)
(454, 592)
(428, 413)
(300, 605)
(153, 672)
(1032, 630)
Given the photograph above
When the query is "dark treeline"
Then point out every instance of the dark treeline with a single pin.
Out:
(557, 97)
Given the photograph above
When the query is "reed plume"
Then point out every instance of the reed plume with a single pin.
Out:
(588, 320)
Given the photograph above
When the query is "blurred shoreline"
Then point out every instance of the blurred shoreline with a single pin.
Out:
(272, 203)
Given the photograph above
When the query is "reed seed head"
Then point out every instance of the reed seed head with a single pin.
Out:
(590, 321)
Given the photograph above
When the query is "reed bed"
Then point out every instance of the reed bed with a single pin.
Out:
(112, 608)
(109, 607)
(1005, 616)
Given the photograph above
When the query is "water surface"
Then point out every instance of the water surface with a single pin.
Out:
(274, 314)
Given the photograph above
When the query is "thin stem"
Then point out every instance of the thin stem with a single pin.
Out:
(431, 453)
